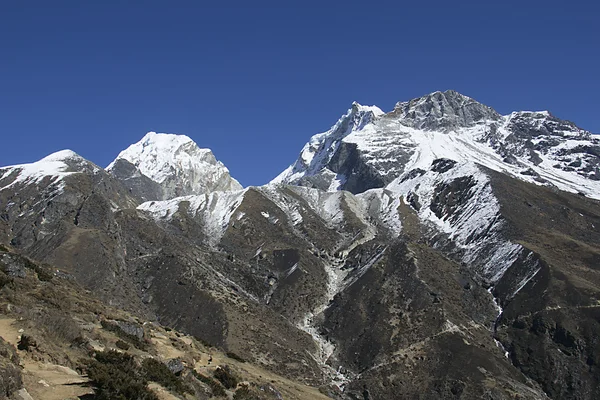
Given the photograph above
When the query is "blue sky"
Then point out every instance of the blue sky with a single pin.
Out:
(254, 80)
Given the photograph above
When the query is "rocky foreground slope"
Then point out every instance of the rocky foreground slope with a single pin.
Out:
(57, 342)
(440, 250)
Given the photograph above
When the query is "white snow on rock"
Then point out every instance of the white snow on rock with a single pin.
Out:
(331, 207)
(400, 147)
(317, 153)
(288, 205)
(326, 205)
(178, 164)
(214, 210)
(56, 166)
(473, 226)
(532, 146)
(381, 205)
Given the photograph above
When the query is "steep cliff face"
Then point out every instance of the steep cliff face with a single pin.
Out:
(327, 160)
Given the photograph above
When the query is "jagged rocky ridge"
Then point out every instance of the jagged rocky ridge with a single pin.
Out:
(368, 148)
(397, 257)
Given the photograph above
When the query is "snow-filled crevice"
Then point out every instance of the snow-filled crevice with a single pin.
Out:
(338, 279)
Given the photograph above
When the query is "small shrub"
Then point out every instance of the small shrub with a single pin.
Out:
(26, 343)
(225, 376)
(123, 345)
(158, 372)
(10, 372)
(44, 273)
(245, 393)
(215, 387)
(122, 360)
(5, 280)
(117, 376)
(3, 248)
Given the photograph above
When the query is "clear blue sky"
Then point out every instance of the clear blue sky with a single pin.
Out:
(253, 80)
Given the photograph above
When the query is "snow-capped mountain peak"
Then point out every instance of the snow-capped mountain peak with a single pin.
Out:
(443, 111)
(156, 154)
(61, 155)
(56, 166)
(313, 157)
(359, 108)
(175, 163)
(366, 149)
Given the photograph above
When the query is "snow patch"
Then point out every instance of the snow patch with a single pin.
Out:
(475, 225)
(214, 210)
(54, 166)
(319, 150)
(382, 205)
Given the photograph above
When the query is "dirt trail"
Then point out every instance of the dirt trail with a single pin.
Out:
(9, 332)
(164, 348)
(44, 381)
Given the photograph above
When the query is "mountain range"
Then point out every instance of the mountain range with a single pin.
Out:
(439, 250)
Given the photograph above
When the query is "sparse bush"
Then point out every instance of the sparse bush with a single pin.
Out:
(44, 272)
(26, 343)
(10, 371)
(5, 280)
(56, 325)
(62, 327)
(215, 387)
(117, 376)
(52, 295)
(3, 248)
(158, 372)
(123, 345)
(224, 375)
(203, 342)
(245, 393)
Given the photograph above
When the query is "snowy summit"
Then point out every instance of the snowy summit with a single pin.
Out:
(176, 163)
(54, 166)
(368, 148)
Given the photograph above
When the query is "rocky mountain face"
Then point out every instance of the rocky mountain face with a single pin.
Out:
(440, 250)
(59, 342)
(369, 149)
(163, 166)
